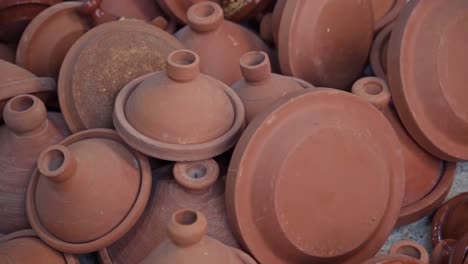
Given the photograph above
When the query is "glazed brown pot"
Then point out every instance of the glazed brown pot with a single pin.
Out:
(443, 251)
(71, 198)
(260, 87)
(207, 29)
(428, 179)
(28, 129)
(179, 114)
(403, 252)
(451, 220)
(460, 251)
(188, 243)
(187, 184)
(7, 53)
(386, 11)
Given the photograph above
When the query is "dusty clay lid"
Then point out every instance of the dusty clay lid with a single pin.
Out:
(315, 39)
(386, 11)
(70, 199)
(428, 179)
(451, 220)
(101, 62)
(7, 53)
(179, 114)
(48, 38)
(302, 166)
(241, 10)
(189, 244)
(379, 52)
(427, 76)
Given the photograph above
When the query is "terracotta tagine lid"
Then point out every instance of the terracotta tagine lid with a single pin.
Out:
(101, 62)
(71, 199)
(379, 53)
(451, 220)
(315, 39)
(179, 114)
(207, 29)
(187, 184)
(302, 166)
(7, 53)
(25, 247)
(443, 251)
(241, 10)
(28, 129)
(260, 87)
(430, 93)
(403, 252)
(177, 9)
(386, 11)
(188, 243)
(428, 179)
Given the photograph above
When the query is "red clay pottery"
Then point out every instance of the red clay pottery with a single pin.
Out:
(451, 220)
(269, 25)
(428, 179)
(24, 247)
(460, 251)
(207, 29)
(320, 43)
(188, 243)
(379, 52)
(241, 10)
(403, 252)
(443, 251)
(16, 14)
(101, 62)
(386, 11)
(7, 53)
(286, 179)
(179, 114)
(260, 87)
(28, 129)
(187, 184)
(177, 9)
(427, 77)
(87, 192)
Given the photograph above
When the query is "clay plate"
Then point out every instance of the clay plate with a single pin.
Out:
(451, 220)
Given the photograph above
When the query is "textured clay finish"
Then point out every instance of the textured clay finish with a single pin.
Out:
(7, 53)
(379, 52)
(28, 129)
(188, 243)
(428, 179)
(323, 45)
(240, 10)
(386, 11)
(260, 87)
(71, 198)
(430, 93)
(192, 185)
(451, 220)
(179, 114)
(103, 61)
(207, 29)
(301, 166)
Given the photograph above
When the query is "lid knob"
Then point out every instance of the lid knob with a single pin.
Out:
(255, 66)
(374, 90)
(411, 249)
(196, 175)
(25, 114)
(183, 65)
(187, 227)
(57, 163)
(205, 16)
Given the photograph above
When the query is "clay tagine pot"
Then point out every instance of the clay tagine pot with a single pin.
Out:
(379, 52)
(187, 184)
(386, 11)
(101, 62)
(28, 129)
(319, 46)
(7, 53)
(179, 114)
(403, 252)
(207, 29)
(188, 243)
(71, 198)
(260, 87)
(451, 220)
(25, 247)
(177, 9)
(428, 179)
(430, 93)
(241, 10)
(302, 166)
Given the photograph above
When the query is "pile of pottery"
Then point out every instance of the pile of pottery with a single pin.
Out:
(183, 131)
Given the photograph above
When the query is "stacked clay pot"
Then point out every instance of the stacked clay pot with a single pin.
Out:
(403, 252)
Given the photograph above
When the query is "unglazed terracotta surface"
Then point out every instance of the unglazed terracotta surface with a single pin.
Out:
(7, 53)
(451, 220)
(188, 243)
(386, 11)
(403, 252)
(207, 29)
(242, 10)
(269, 25)
(379, 52)
(177, 9)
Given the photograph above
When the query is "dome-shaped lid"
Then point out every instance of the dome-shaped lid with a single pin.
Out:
(71, 200)
(179, 107)
(189, 243)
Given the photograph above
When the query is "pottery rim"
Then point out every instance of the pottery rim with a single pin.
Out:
(438, 221)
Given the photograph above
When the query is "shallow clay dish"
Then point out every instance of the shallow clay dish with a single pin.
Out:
(426, 75)
(337, 138)
(71, 198)
(101, 62)
(321, 44)
(386, 11)
(379, 52)
(7, 53)
(451, 220)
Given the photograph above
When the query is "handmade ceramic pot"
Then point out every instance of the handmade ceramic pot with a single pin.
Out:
(379, 52)
(177, 9)
(260, 87)
(451, 220)
(269, 25)
(301, 166)
(443, 251)
(429, 94)
(7, 53)
(71, 198)
(187, 184)
(25, 247)
(460, 251)
(28, 129)
(386, 11)
(207, 29)
(188, 243)
(179, 114)
(241, 10)
(428, 179)
(403, 252)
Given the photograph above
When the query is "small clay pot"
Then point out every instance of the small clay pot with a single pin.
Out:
(386, 11)
(187, 184)
(451, 220)
(443, 251)
(403, 252)
(379, 52)
(7, 53)
(241, 10)
(179, 114)
(25, 247)
(188, 243)
(207, 29)
(71, 198)
(260, 87)
(428, 179)
(28, 129)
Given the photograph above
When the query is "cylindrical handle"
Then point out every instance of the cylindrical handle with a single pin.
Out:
(374, 90)
(25, 114)
(196, 175)
(183, 65)
(205, 16)
(187, 227)
(57, 163)
(255, 66)
(411, 249)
